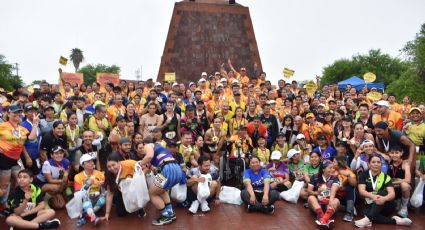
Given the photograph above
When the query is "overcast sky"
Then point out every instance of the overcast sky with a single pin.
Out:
(299, 34)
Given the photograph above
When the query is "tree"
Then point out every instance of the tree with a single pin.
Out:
(76, 57)
(386, 68)
(7, 79)
(90, 71)
(415, 52)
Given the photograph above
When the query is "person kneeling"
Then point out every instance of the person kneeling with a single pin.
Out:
(322, 191)
(258, 195)
(204, 173)
(26, 206)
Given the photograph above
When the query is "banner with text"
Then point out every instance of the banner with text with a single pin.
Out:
(103, 78)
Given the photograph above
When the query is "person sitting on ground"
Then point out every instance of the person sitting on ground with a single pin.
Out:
(26, 206)
(361, 158)
(279, 172)
(196, 177)
(326, 152)
(90, 181)
(322, 191)
(347, 191)
(400, 173)
(258, 195)
(313, 167)
(377, 189)
(262, 152)
(53, 178)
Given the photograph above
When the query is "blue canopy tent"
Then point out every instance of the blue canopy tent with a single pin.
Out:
(359, 83)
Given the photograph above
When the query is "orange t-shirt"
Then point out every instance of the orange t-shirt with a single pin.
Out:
(394, 120)
(12, 140)
(80, 181)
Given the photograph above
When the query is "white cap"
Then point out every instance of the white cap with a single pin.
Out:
(300, 136)
(383, 103)
(175, 84)
(191, 83)
(276, 155)
(321, 104)
(158, 84)
(367, 142)
(219, 84)
(36, 86)
(84, 158)
(235, 81)
(272, 102)
(223, 79)
(217, 73)
(292, 153)
(204, 74)
(202, 80)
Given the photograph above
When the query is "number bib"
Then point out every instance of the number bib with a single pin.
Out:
(170, 135)
(160, 180)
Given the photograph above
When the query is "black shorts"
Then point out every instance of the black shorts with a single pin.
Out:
(30, 217)
(7, 163)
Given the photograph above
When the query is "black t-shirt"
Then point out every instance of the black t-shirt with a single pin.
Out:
(383, 182)
(48, 141)
(17, 196)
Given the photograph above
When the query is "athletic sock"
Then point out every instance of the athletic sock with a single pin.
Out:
(404, 202)
(164, 212)
(329, 213)
(319, 212)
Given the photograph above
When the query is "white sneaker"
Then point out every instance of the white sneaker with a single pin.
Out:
(402, 221)
(194, 207)
(204, 206)
(363, 223)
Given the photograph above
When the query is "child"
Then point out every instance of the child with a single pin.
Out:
(26, 206)
(262, 152)
(279, 172)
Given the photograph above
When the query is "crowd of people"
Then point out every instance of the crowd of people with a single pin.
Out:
(229, 128)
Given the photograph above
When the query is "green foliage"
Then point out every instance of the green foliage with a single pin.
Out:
(76, 57)
(8, 80)
(386, 68)
(90, 71)
(415, 51)
(408, 85)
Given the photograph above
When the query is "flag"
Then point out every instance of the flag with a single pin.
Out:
(63, 60)
(288, 73)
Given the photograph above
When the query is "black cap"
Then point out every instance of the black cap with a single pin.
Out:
(124, 140)
(257, 117)
(190, 107)
(14, 109)
(321, 137)
(342, 143)
(57, 148)
(242, 127)
(199, 102)
(280, 134)
(48, 107)
(237, 94)
(119, 118)
(172, 144)
(29, 106)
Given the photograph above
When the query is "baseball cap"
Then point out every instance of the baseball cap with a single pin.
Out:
(191, 83)
(300, 136)
(119, 118)
(276, 155)
(172, 144)
(158, 84)
(383, 103)
(272, 102)
(204, 74)
(309, 115)
(29, 106)
(292, 152)
(124, 140)
(217, 73)
(36, 86)
(280, 134)
(175, 84)
(84, 158)
(190, 107)
(236, 94)
(322, 105)
(14, 109)
(202, 80)
(235, 81)
(414, 108)
(199, 102)
(367, 142)
(57, 148)
(381, 125)
(223, 79)
(48, 107)
(321, 137)
(219, 85)
(96, 103)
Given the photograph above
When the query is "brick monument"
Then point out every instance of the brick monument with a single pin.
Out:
(203, 34)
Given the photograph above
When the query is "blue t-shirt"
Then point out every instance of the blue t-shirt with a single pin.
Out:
(57, 170)
(327, 154)
(256, 180)
(32, 147)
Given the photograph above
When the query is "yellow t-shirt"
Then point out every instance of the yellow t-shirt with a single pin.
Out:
(12, 140)
(80, 181)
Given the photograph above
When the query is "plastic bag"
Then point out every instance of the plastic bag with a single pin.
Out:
(230, 195)
(204, 188)
(179, 192)
(75, 206)
(418, 196)
(139, 187)
(292, 194)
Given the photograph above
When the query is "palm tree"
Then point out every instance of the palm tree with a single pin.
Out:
(76, 57)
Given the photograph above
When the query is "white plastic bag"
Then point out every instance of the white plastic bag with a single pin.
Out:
(75, 206)
(418, 195)
(139, 187)
(230, 195)
(179, 192)
(128, 196)
(204, 188)
(292, 194)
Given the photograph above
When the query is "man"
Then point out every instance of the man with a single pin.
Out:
(327, 152)
(386, 138)
(313, 128)
(82, 112)
(98, 123)
(124, 149)
(205, 172)
(190, 154)
(87, 147)
(365, 116)
(393, 118)
(415, 129)
(271, 123)
(116, 110)
(255, 129)
(192, 123)
(118, 132)
(91, 181)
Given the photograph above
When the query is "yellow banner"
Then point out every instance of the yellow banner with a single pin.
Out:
(288, 73)
(374, 96)
(63, 60)
(170, 77)
(311, 87)
(369, 77)
(103, 78)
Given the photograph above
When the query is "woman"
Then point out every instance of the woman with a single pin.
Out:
(313, 167)
(188, 97)
(49, 118)
(322, 194)
(346, 192)
(137, 138)
(339, 114)
(401, 175)
(168, 175)
(361, 158)
(359, 136)
(258, 195)
(116, 171)
(139, 104)
(342, 150)
(237, 120)
(303, 147)
(53, 177)
(377, 189)
(55, 137)
(288, 130)
(262, 152)
(346, 132)
(282, 146)
(279, 172)
(72, 131)
(131, 115)
(252, 110)
(12, 140)
(199, 144)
